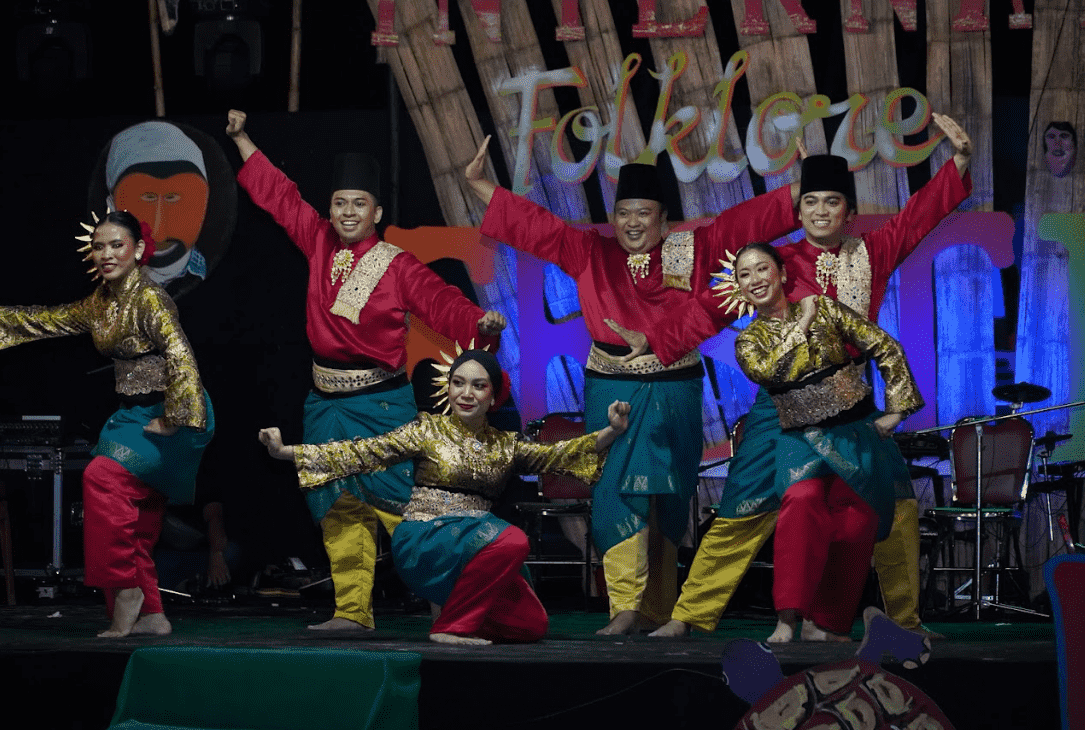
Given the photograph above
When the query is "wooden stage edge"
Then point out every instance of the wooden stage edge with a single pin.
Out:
(990, 675)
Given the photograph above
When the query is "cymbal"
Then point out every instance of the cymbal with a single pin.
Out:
(1049, 439)
(1021, 393)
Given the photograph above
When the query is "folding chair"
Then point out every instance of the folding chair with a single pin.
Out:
(1004, 461)
(562, 497)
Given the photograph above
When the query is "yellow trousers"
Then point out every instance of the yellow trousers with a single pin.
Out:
(723, 557)
(350, 538)
(642, 574)
(730, 545)
(896, 559)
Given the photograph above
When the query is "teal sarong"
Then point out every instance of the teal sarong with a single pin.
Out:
(338, 418)
(166, 463)
(750, 488)
(871, 465)
(658, 456)
(430, 555)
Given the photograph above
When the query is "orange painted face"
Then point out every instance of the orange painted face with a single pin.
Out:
(174, 207)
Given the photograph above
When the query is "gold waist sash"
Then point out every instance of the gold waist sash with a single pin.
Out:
(648, 364)
(429, 503)
(824, 399)
(331, 380)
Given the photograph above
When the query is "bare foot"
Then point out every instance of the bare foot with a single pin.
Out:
(784, 633)
(623, 623)
(672, 629)
(456, 639)
(643, 624)
(126, 605)
(338, 623)
(153, 623)
(929, 633)
(811, 632)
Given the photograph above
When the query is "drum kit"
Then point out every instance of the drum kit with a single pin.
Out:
(1060, 476)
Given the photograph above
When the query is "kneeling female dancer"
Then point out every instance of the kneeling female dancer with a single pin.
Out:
(149, 449)
(450, 549)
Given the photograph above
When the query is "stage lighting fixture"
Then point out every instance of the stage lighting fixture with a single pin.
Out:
(52, 55)
(228, 52)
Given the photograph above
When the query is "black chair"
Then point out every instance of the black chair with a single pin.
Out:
(1005, 461)
(560, 496)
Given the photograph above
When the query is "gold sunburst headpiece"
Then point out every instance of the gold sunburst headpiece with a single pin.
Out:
(441, 380)
(86, 239)
(728, 288)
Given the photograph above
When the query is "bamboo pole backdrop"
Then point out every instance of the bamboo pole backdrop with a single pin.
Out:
(600, 56)
(701, 197)
(518, 54)
(439, 105)
(959, 83)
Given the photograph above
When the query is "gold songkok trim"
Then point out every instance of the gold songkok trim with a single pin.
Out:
(647, 364)
(849, 270)
(677, 257)
(429, 503)
(330, 380)
(141, 375)
(356, 290)
(812, 404)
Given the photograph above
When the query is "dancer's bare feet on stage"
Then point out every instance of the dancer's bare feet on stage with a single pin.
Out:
(811, 632)
(625, 622)
(338, 623)
(673, 629)
(786, 622)
(126, 605)
(644, 625)
(456, 639)
(155, 624)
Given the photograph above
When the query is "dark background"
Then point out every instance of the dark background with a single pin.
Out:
(246, 322)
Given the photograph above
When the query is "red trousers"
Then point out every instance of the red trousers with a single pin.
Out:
(491, 600)
(122, 518)
(824, 542)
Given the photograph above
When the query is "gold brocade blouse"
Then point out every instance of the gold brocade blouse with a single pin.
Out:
(138, 327)
(807, 374)
(455, 470)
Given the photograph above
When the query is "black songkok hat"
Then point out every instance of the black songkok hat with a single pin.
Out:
(638, 180)
(827, 172)
(356, 171)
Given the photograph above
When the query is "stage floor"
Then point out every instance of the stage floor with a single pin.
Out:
(983, 675)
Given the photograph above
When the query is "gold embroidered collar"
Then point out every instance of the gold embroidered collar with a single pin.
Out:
(849, 271)
(362, 280)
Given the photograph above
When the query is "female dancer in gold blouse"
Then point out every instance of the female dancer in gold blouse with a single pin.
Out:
(149, 450)
(449, 549)
(837, 470)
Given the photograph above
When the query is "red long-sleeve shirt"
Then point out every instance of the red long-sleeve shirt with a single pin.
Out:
(408, 285)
